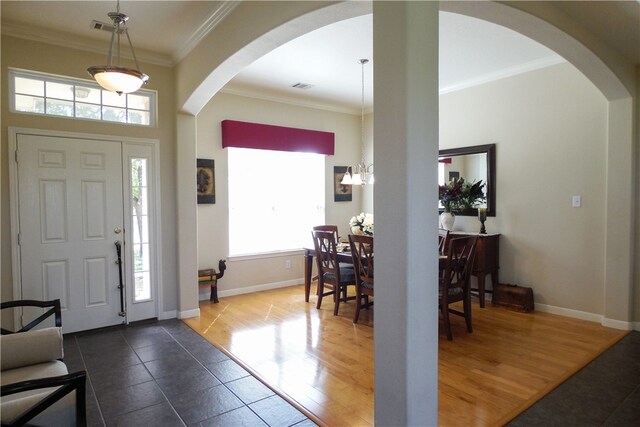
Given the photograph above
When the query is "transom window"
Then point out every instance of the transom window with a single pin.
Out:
(39, 93)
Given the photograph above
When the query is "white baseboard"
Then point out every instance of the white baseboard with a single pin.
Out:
(205, 292)
(189, 313)
(617, 324)
(576, 314)
(168, 315)
(584, 315)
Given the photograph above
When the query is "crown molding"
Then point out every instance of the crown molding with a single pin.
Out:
(504, 73)
(74, 42)
(290, 101)
(200, 33)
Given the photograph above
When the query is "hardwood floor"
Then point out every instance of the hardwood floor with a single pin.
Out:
(324, 363)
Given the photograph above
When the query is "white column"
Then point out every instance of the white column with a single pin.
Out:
(405, 38)
(187, 217)
(619, 262)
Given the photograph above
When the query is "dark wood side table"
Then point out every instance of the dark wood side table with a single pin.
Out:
(487, 261)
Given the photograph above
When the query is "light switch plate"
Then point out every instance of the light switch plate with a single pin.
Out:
(576, 201)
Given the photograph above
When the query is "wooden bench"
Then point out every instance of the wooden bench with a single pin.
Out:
(207, 277)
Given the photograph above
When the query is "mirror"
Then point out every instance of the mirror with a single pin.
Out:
(473, 164)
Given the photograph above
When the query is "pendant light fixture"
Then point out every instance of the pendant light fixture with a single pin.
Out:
(116, 78)
(361, 174)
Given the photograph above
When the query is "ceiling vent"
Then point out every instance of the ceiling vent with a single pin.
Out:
(97, 25)
(303, 86)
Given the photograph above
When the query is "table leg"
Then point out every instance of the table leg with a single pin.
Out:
(481, 277)
(308, 264)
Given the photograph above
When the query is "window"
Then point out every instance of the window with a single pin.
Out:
(39, 93)
(140, 223)
(275, 198)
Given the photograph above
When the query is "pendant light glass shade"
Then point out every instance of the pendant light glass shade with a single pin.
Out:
(346, 179)
(116, 78)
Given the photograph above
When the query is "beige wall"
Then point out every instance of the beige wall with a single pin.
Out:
(213, 219)
(552, 120)
(30, 55)
(550, 130)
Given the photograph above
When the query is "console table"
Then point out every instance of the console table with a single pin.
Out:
(487, 260)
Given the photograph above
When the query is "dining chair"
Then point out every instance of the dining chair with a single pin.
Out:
(327, 227)
(334, 229)
(330, 274)
(362, 255)
(454, 281)
(443, 240)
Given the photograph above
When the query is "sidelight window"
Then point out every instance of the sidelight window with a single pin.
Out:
(140, 229)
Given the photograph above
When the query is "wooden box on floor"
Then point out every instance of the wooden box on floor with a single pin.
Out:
(515, 297)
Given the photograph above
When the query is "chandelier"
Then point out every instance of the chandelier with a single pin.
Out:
(361, 173)
(116, 78)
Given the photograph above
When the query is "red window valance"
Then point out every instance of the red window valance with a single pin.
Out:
(269, 137)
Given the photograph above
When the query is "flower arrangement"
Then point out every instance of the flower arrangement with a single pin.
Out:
(459, 195)
(362, 224)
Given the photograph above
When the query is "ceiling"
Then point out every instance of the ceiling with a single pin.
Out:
(163, 32)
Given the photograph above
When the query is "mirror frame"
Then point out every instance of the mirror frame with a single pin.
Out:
(490, 151)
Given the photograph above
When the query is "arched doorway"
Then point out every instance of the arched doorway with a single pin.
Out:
(287, 24)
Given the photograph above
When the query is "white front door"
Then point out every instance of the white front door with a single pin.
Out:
(71, 213)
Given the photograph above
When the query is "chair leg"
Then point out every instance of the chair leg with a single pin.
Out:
(320, 294)
(336, 298)
(358, 298)
(445, 320)
(467, 313)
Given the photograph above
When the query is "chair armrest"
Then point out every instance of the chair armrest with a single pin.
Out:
(55, 310)
(30, 348)
(66, 383)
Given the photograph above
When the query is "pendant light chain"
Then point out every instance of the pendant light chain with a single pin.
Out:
(362, 62)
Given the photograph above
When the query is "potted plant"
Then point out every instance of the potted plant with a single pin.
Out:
(458, 195)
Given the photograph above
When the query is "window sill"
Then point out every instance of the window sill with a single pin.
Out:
(265, 255)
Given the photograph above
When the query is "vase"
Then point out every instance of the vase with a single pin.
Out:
(446, 220)
(357, 231)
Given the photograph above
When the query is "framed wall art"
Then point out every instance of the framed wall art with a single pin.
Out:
(341, 193)
(206, 181)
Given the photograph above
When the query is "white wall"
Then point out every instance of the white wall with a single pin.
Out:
(550, 130)
(243, 275)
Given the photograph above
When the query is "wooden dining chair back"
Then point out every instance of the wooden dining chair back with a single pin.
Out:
(327, 227)
(330, 274)
(362, 255)
(443, 240)
(454, 280)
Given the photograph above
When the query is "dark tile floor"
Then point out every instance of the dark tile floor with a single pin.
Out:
(606, 392)
(165, 374)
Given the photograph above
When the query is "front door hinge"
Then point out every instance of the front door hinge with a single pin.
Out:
(18, 239)
(15, 155)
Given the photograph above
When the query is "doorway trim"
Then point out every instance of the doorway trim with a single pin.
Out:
(15, 214)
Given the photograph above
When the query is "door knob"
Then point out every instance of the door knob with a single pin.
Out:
(117, 230)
